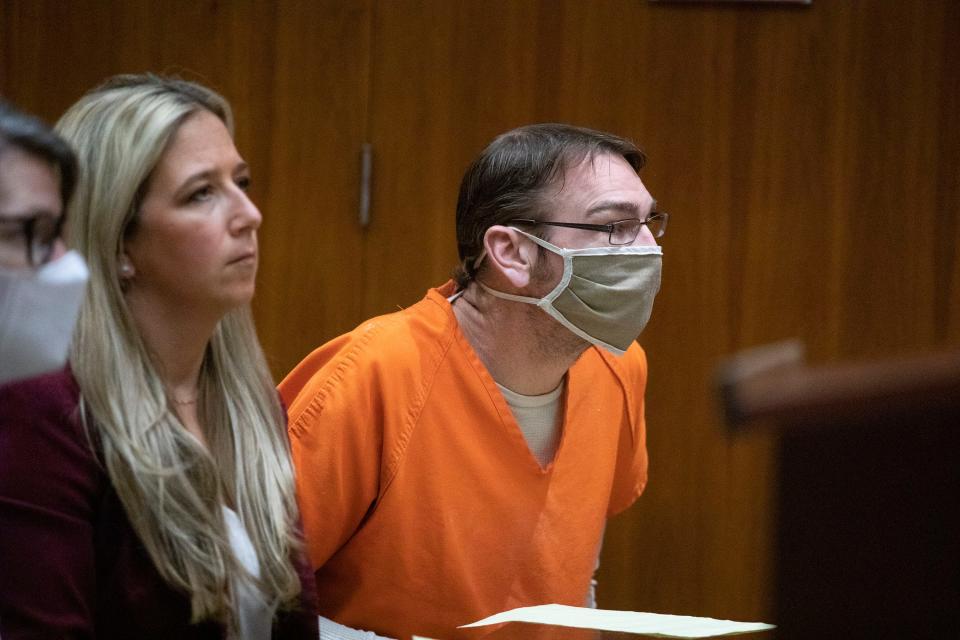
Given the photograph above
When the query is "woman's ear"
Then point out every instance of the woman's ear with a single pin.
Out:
(510, 255)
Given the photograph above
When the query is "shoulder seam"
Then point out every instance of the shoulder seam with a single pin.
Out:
(413, 416)
(319, 398)
(628, 395)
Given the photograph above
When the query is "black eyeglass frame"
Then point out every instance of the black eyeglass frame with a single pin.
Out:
(658, 216)
(39, 250)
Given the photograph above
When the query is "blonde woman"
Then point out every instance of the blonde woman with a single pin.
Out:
(146, 491)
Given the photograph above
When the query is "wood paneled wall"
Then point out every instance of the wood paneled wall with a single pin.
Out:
(809, 157)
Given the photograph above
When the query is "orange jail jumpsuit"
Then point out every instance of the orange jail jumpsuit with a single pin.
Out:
(423, 507)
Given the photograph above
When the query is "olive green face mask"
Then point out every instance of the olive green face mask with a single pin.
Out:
(605, 295)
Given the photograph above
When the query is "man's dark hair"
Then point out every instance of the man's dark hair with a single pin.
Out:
(510, 176)
(17, 129)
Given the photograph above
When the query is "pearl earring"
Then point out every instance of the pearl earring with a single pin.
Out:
(126, 269)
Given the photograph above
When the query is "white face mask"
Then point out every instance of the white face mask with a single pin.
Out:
(605, 295)
(37, 314)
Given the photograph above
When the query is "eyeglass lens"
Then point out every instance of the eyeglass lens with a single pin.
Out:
(33, 238)
(626, 231)
(42, 239)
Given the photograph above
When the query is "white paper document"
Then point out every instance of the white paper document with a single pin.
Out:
(650, 624)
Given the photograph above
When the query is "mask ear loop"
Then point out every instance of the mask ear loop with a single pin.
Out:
(548, 299)
(543, 243)
(483, 254)
(565, 255)
(476, 263)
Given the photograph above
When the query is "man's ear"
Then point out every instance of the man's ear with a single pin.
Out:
(510, 255)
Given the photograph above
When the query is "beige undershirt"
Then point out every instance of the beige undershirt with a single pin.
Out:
(539, 420)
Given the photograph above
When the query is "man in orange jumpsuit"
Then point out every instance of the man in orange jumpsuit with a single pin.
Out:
(461, 457)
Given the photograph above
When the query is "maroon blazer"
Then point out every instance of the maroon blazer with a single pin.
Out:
(71, 565)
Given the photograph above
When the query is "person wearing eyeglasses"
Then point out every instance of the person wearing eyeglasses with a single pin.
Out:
(41, 284)
(461, 457)
(146, 490)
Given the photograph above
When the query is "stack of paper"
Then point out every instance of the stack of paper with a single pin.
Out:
(650, 624)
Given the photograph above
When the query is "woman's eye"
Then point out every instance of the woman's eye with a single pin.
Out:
(244, 183)
(201, 194)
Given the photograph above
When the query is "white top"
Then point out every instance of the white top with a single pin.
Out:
(254, 613)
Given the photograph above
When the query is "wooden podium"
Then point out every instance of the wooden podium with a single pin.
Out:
(868, 498)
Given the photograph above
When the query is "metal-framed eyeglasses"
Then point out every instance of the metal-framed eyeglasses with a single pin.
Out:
(35, 237)
(621, 232)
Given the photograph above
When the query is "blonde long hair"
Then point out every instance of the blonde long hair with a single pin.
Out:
(171, 486)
